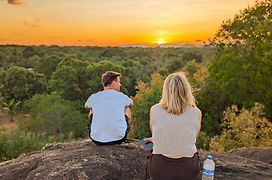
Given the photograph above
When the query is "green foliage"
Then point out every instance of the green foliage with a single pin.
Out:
(251, 26)
(203, 141)
(208, 99)
(191, 67)
(21, 84)
(188, 56)
(46, 65)
(17, 142)
(175, 65)
(147, 95)
(97, 69)
(74, 73)
(52, 115)
(70, 79)
(29, 51)
(212, 105)
(243, 128)
(242, 70)
(10, 107)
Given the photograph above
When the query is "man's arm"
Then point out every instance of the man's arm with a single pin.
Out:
(127, 108)
(128, 112)
(130, 103)
(86, 106)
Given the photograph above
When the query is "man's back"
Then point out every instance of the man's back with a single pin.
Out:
(108, 123)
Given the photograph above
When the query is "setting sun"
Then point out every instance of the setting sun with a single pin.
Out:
(160, 41)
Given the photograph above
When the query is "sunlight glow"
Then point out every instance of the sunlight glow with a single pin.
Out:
(133, 22)
(160, 41)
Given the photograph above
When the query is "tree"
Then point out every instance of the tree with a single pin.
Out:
(147, 95)
(20, 83)
(212, 104)
(188, 56)
(97, 69)
(243, 128)
(11, 108)
(191, 67)
(70, 79)
(242, 69)
(53, 115)
(29, 51)
(174, 65)
(252, 26)
(47, 65)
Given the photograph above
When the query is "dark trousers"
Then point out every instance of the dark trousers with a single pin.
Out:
(159, 167)
(111, 142)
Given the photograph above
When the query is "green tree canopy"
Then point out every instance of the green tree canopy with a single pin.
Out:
(242, 69)
(20, 83)
(47, 65)
(188, 56)
(243, 128)
(252, 25)
(147, 95)
(97, 69)
(53, 115)
(70, 79)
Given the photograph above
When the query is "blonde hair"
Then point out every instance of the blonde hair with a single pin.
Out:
(176, 94)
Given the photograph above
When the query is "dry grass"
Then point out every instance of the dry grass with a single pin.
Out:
(5, 121)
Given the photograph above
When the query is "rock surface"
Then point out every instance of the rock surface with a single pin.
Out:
(84, 160)
(263, 154)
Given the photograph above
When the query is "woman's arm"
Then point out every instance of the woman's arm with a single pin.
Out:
(199, 118)
(150, 125)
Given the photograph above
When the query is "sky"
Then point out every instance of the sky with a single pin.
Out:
(113, 22)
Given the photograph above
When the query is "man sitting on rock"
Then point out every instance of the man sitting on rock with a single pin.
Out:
(109, 112)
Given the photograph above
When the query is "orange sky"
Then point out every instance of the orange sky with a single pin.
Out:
(113, 22)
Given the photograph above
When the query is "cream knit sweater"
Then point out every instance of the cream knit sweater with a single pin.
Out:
(174, 136)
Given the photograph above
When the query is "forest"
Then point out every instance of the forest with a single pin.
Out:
(43, 88)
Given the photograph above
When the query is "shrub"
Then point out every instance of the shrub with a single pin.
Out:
(243, 128)
(52, 115)
(147, 95)
(17, 142)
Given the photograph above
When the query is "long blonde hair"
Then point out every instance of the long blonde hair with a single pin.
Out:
(176, 94)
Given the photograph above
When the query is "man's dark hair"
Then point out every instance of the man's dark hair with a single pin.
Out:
(109, 76)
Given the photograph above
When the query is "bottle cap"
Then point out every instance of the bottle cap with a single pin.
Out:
(210, 157)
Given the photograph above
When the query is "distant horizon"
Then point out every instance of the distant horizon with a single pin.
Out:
(114, 23)
(121, 45)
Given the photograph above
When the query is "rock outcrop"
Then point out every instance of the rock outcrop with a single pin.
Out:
(84, 160)
(263, 154)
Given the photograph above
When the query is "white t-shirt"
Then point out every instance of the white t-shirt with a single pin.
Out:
(108, 123)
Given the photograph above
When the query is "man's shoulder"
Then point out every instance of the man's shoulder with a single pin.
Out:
(120, 94)
(97, 94)
(115, 93)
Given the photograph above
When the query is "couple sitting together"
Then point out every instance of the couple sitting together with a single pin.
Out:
(174, 122)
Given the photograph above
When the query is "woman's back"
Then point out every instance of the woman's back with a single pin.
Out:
(175, 135)
(175, 123)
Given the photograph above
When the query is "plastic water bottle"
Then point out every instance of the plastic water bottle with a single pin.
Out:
(208, 169)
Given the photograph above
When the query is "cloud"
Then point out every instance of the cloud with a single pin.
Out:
(33, 24)
(15, 2)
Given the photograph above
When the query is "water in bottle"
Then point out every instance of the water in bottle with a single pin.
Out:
(208, 169)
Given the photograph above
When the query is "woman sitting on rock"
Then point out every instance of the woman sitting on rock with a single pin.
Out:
(175, 124)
